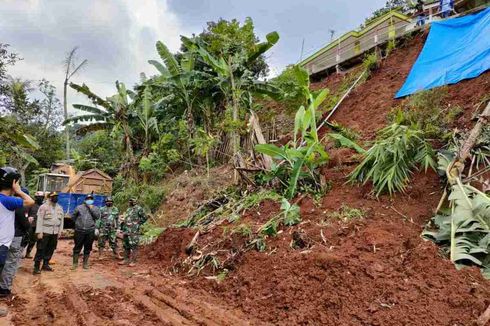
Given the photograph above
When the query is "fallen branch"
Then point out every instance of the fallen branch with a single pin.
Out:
(190, 247)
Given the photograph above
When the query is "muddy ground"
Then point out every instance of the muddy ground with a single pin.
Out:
(373, 270)
(109, 294)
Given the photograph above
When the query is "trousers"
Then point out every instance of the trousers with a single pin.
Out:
(83, 240)
(45, 247)
(12, 264)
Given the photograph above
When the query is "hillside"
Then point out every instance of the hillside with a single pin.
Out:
(353, 260)
(373, 271)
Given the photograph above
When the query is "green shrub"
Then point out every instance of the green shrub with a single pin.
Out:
(397, 152)
(391, 46)
(301, 158)
(426, 109)
(371, 62)
(294, 83)
(149, 196)
(348, 133)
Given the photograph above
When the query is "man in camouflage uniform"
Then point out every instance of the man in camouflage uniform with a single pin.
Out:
(131, 229)
(108, 225)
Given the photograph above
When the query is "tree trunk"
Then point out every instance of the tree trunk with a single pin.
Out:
(67, 130)
(234, 135)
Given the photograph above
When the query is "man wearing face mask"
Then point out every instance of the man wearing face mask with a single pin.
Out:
(31, 237)
(49, 226)
(85, 217)
(131, 228)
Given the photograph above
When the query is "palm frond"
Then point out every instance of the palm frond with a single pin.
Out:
(90, 109)
(85, 118)
(84, 89)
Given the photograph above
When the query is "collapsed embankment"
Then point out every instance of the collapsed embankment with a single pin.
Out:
(371, 271)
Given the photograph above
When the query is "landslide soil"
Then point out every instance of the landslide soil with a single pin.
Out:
(375, 270)
(371, 271)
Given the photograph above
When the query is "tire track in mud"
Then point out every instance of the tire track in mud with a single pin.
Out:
(109, 295)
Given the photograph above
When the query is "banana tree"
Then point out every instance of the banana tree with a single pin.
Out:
(115, 115)
(232, 77)
(300, 160)
(147, 120)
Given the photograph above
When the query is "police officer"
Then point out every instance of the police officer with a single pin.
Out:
(49, 226)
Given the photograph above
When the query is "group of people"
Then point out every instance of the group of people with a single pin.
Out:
(446, 7)
(26, 222)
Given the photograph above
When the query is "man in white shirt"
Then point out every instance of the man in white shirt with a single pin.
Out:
(9, 186)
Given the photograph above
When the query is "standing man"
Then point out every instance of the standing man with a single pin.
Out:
(419, 10)
(107, 226)
(31, 236)
(9, 185)
(49, 226)
(84, 216)
(446, 7)
(131, 228)
(22, 226)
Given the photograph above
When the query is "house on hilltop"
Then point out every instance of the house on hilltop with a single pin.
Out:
(350, 47)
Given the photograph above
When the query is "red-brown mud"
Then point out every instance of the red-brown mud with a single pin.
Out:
(372, 271)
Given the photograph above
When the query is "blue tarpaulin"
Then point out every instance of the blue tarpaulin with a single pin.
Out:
(70, 201)
(456, 49)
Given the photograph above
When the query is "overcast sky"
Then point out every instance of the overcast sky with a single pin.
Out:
(118, 36)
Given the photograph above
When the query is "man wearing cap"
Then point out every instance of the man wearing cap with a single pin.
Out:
(107, 226)
(9, 186)
(49, 226)
(31, 236)
(85, 217)
(131, 228)
(22, 226)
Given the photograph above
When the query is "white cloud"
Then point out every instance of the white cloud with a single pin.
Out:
(116, 36)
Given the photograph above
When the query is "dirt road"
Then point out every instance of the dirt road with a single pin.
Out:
(109, 294)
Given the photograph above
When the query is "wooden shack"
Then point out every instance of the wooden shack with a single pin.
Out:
(91, 181)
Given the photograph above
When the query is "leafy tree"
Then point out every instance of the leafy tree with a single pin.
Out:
(98, 150)
(234, 80)
(401, 5)
(7, 58)
(228, 38)
(50, 115)
(17, 102)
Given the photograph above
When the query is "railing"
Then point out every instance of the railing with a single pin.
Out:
(355, 46)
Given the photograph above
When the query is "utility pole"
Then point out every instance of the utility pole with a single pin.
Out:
(302, 50)
(71, 68)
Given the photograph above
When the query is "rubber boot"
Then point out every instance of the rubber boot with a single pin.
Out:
(126, 258)
(75, 262)
(132, 260)
(85, 261)
(46, 266)
(37, 268)
(115, 254)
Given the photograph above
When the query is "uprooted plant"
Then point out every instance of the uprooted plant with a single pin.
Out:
(464, 231)
(398, 151)
(299, 159)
